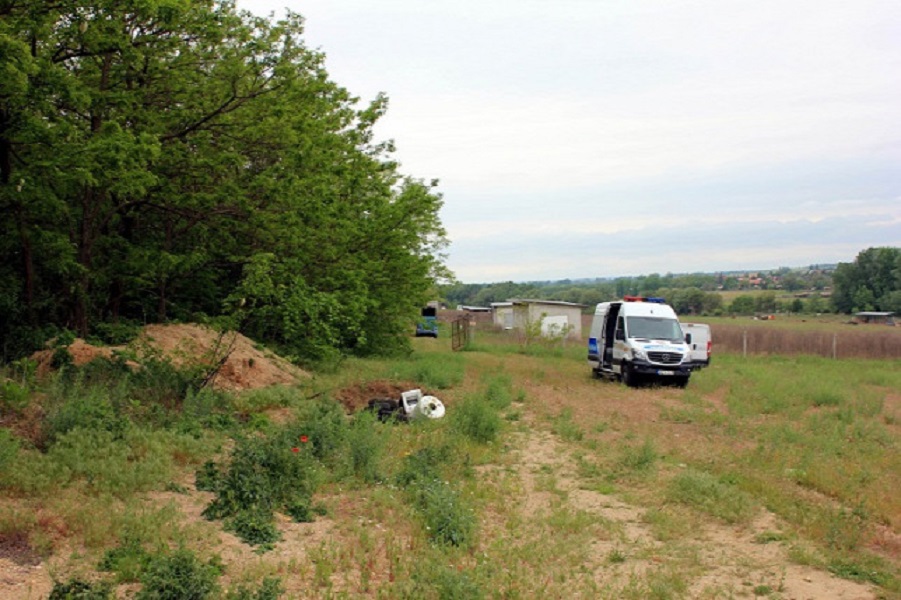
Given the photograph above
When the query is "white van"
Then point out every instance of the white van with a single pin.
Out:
(638, 338)
(699, 338)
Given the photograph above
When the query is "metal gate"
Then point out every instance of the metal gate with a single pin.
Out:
(459, 333)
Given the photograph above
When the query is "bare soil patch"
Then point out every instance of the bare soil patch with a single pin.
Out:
(357, 397)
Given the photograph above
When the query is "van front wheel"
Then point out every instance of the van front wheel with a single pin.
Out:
(630, 378)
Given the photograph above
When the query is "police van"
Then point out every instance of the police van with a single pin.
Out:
(638, 339)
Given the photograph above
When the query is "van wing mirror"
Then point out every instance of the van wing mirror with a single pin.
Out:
(619, 334)
(687, 338)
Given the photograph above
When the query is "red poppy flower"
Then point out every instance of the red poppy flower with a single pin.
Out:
(295, 449)
(304, 439)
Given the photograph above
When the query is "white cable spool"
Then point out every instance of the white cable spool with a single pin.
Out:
(430, 407)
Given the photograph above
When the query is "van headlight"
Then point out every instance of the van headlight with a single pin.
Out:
(639, 353)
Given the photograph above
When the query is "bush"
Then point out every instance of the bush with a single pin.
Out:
(265, 474)
(76, 589)
(80, 407)
(14, 397)
(128, 560)
(178, 576)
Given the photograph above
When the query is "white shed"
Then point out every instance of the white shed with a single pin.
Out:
(556, 317)
(502, 314)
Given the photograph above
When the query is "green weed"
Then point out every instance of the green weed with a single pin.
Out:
(564, 426)
(710, 495)
(477, 420)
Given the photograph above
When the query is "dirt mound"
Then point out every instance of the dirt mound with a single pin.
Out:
(238, 362)
(356, 397)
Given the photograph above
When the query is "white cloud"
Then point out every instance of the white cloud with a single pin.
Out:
(554, 122)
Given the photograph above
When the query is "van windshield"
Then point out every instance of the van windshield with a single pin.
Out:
(654, 328)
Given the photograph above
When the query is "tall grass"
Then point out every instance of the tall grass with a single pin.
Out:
(869, 342)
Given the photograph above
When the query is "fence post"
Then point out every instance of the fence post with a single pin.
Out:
(744, 343)
(834, 346)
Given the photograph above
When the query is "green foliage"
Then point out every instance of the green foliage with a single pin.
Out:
(710, 495)
(871, 282)
(564, 426)
(638, 458)
(127, 560)
(366, 445)
(325, 426)
(14, 397)
(431, 371)
(499, 391)
(475, 418)
(89, 408)
(264, 474)
(270, 589)
(187, 140)
(452, 584)
(76, 589)
(9, 450)
(448, 520)
(179, 575)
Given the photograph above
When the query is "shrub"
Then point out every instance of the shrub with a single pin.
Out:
(84, 408)
(14, 397)
(265, 474)
(76, 589)
(448, 520)
(178, 576)
(127, 560)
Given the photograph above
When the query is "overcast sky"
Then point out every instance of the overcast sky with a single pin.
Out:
(596, 138)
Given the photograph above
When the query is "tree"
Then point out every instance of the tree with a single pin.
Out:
(161, 158)
(742, 305)
(869, 283)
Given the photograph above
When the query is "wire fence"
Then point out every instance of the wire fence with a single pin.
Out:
(884, 344)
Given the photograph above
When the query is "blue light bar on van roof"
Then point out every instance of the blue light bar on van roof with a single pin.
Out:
(643, 299)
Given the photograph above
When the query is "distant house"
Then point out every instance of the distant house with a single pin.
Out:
(555, 317)
(877, 318)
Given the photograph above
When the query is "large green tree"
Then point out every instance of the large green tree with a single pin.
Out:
(871, 282)
(159, 158)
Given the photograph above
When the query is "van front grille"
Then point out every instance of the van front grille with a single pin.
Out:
(665, 358)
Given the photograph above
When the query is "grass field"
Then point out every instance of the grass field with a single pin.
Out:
(769, 476)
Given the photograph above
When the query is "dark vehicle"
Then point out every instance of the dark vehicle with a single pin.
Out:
(428, 323)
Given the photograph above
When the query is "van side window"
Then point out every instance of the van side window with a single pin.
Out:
(620, 329)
